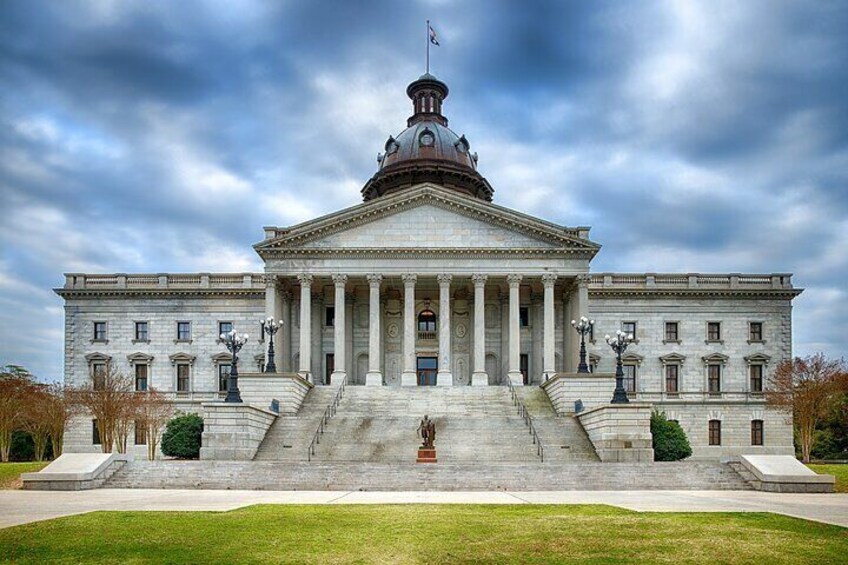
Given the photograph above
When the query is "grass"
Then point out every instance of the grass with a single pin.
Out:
(424, 534)
(10, 473)
(838, 471)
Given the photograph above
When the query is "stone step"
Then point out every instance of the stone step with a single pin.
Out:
(279, 475)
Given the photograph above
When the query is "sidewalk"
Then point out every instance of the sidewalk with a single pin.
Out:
(21, 507)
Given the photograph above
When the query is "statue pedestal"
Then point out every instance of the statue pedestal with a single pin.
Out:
(426, 455)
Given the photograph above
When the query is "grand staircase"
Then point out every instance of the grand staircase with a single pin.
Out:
(481, 442)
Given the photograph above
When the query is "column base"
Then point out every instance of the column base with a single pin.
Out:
(338, 377)
(305, 375)
(444, 378)
(480, 379)
(373, 378)
(516, 378)
(408, 379)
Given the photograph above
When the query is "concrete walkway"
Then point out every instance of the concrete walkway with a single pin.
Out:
(21, 507)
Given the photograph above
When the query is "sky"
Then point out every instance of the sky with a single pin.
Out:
(158, 136)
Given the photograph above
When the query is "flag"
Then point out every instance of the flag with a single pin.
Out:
(433, 39)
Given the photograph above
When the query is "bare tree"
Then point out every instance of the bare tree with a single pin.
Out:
(106, 399)
(15, 384)
(806, 388)
(34, 419)
(57, 412)
(154, 412)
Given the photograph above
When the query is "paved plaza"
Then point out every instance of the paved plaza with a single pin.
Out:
(21, 507)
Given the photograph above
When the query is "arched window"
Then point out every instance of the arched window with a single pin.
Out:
(427, 321)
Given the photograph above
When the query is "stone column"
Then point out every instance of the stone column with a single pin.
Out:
(305, 369)
(514, 373)
(271, 307)
(445, 375)
(548, 356)
(479, 377)
(349, 302)
(374, 376)
(409, 376)
(339, 373)
(282, 346)
(579, 302)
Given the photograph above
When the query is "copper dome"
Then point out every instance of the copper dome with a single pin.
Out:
(427, 150)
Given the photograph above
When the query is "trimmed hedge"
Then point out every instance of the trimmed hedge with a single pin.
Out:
(182, 437)
(669, 439)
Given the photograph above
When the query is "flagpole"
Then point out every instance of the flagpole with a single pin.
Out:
(427, 35)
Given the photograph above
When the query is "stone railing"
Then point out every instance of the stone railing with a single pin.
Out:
(80, 281)
(690, 280)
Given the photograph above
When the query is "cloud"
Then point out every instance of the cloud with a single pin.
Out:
(149, 137)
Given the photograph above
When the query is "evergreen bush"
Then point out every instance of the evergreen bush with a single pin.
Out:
(669, 439)
(182, 437)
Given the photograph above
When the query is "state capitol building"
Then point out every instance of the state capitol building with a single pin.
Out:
(429, 283)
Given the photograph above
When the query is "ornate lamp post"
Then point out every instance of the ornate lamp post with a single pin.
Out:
(583, 327)
(234, 342)
(270, 327)
(619, 343)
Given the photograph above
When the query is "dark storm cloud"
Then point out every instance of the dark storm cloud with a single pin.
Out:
(155, 136)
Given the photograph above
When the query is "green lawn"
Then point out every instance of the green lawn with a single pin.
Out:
(10, 472)
(424, 534)
(838, 471)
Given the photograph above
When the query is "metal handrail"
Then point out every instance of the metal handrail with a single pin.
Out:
(528, 420)
(329, 412)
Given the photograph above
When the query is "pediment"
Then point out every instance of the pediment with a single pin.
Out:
(427, 217)
(672, 358)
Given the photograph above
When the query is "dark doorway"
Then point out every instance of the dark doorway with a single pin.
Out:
(331, 366)
(427, 367)
(524, 367)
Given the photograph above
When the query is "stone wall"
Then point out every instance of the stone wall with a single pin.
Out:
(260, 389)
(233, 431)
(593, 389)
(620, 432)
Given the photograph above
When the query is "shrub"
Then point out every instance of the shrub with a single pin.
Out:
(182, 437)
(669, 439)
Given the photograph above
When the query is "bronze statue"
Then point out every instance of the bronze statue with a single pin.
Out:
(427, 429)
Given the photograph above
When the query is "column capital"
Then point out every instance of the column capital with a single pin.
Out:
(548, 280)
(270, 280)
(409, 279)
(479, 280)
(374, 279)
(340, 280)
(444, 279)
(583, 279)
(513, 280)
(305, 278)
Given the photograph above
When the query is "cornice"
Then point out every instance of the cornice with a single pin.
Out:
(422, 252)
(767, 293)
(67, 293)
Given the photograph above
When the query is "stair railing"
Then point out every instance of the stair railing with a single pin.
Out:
(329, 412)
(528, 420)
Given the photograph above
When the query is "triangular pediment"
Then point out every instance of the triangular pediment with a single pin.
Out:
(428, 217)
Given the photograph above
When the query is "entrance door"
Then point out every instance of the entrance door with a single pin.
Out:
(427, 367)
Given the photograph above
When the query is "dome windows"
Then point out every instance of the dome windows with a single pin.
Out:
(462, 145)
(426, 138)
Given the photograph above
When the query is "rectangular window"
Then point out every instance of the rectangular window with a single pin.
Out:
(756, 372)
(330, 316)
(629, 378)
(524, 367)
(713, 331)
(183, 377)
(671, 333)
(183, 331)
(224, 327)
(141, 376)
(223, 376)
(524, 316)
(98, 375)
(330, 363)
(671, 374)
(140, 433)
(141, 333)
(755, 331)
(95, 433)
(715, 432)
(629, 328)
(714, 378)
(99, 331)
(756, 432)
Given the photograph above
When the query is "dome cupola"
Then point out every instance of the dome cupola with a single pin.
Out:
(427, 150)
